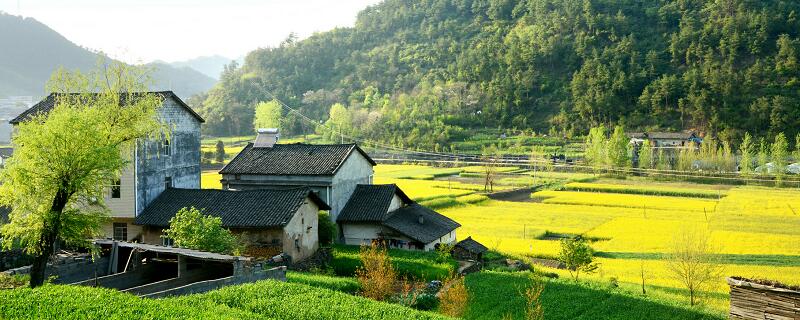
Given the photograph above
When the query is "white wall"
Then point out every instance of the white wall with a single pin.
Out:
(355, 170)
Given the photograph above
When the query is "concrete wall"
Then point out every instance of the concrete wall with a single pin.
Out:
(360, 233)
(354, 171)
(449, 239)
(125, 205)
(278, 274)
(183, 163)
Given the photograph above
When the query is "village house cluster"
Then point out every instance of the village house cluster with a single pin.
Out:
(272, 193)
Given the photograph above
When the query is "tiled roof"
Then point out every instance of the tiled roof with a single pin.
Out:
(472, 246)
(48, 103)
(406, 220)
(370, 203)
(670, 135)
(238, 209)
(292, 159)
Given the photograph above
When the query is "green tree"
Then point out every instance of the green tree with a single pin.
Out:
(763, 156)
(220, 152)
(617, 154)
(746, 151)
(595, 153)
(192, 229)
(268, 115)
(646, 155)
(796, 153)
(327, 229)
(577, 256)
(779, 155)
(65, 159)
(339, 122)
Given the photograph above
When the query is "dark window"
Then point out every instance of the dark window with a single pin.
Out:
(166, 147)
(167, 182)
(116, 189)
(167, 242)
(120, 231)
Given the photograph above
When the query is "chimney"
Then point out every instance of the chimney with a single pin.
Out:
(266, 138)
(421, 219)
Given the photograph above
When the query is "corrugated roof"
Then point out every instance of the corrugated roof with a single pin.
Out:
(370, 203)
(472, 246)
(238, 209)
(292, 159)
(406, 221)
(48, 103)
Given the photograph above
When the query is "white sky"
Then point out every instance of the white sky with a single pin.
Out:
(139, 31)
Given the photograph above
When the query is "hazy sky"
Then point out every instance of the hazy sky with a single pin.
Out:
(171, 30)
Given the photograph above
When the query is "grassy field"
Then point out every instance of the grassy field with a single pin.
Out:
(262, 300)
(426, 265)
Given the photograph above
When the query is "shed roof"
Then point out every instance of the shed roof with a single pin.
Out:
(292, 159)
(48, 103)
(203, 255)
(670, 135)
(238, 209)
(406, 221)
(472, 246)
(370, 203)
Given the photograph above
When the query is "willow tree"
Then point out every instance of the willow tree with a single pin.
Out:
(65, 159)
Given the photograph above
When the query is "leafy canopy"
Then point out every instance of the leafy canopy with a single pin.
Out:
(192, 229)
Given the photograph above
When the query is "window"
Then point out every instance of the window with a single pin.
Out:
(167, 242)
(116, 189)
(167, 182)
(120, 231)
(166, 148)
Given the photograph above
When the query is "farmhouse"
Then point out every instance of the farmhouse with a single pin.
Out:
(156, 166)
(269, 221)
(385, 213)
(332, 171)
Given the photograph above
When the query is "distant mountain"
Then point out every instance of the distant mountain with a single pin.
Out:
(211, 66)
(32, 51)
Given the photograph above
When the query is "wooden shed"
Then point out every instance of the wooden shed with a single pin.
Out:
(762, 299)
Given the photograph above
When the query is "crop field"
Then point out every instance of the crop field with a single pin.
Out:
(755, 231)
(261, 300)
(209, 179)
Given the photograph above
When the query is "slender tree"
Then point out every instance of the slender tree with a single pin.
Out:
(617, 149)
(646, 155)
(779, 154)
(596, 146)
(65, 159)
(692, 261)
(763, 156)
(746, 150)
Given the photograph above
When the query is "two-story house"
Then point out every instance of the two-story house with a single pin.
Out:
(332, 171)
(156, 164)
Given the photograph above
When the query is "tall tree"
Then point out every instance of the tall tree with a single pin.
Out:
(65, 159)
(268, 115)
(746, 151)
(646, 155)
(617, 154)
(779, 155)
(595, 153)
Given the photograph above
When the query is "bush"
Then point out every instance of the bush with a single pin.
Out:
(376, 275)
(342, 284)
(454, 297)
(426, 301)
(327, 229)
(191, 229)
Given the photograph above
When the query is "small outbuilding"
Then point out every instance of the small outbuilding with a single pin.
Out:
(469, 249)
(385, 213)
(269, 221)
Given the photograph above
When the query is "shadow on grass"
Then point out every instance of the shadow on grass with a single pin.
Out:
(740, 259)
(495, 295)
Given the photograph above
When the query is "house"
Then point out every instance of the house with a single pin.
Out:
(385, 213)
(156, 166)
(269, 221)
(5, 154)
(332, 171)
(469, 249)
(666, 139)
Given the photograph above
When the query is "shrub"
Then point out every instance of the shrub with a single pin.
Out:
(327, 229)
(454, 297)
(533, 307)
(191, 229)
(377, 275)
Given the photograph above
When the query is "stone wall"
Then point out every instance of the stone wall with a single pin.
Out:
(14, 259)
(254, 275)
(70, 269)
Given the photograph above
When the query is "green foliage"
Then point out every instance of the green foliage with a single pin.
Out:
(596, 146)
(327, 229)
(646, 155)
(192, 229)
(261, 300)
(65, 159)
(268, 115)
(779, 154)
(411, 264)
(342, 284)
(746, 151)
(422, 75)
(577, 256)
(617, 151)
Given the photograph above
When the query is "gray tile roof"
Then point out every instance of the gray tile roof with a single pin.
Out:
(472, 246)
(406, 221)
(48, 103)
(238, 209)
(370, 203)
(292, 159)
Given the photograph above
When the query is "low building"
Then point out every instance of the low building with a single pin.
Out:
(666, 139)
(469, 249)
(332, 171)
(269, 221)
(157, 164)
(385, 213)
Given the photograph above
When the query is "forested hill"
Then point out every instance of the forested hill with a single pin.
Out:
(425, 72)
(30, 52)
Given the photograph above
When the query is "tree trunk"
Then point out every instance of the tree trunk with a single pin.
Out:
(47, 241)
